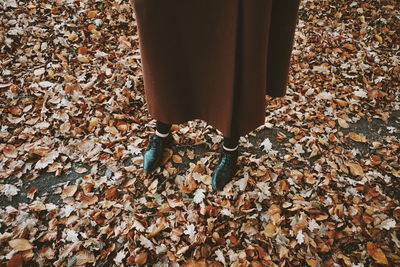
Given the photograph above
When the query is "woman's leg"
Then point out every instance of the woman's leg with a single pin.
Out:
(231, 143)
(162, 129)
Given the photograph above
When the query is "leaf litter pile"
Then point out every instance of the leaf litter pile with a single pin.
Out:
(71, 91)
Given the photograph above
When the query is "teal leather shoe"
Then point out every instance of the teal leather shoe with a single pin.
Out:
(154, 152)
(225, 169)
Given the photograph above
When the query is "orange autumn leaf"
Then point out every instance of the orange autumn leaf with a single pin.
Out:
(82, 50)
(357, 137)
(376, 253)
(141, 258)
(92, 14)
(16, 261)
(177, 159)
(194, 263)
(111, 193)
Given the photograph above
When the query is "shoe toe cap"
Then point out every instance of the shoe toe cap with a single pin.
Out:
(150, 161)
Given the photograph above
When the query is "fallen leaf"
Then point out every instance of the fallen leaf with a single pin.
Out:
(20, 244)
(358, 137)
(355, 168)
(376, 253)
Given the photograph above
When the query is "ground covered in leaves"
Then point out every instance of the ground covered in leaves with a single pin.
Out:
(318, 183)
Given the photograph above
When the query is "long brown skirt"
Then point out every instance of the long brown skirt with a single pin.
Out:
(215, 60)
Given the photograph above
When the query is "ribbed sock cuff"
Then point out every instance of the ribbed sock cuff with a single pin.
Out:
(161, 134)
(230, 149)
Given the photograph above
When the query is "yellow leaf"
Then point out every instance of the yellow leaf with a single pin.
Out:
(92, 14)
(50, 72)
(355, 168)
(379, 38)
(269, 230)
(72, 37)
(20, 244)
(376, 253)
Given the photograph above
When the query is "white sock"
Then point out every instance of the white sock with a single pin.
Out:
(230, 149)
(161, 134)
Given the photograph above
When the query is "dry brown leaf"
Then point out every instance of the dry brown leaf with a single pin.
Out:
(72, 37)
(82, 50)
(20, 244)
(92, 14)
(37, 205)
(89, 200)
(177, 159)
(173, 203)
(160, 225)
(81, 170)
(83, 257)
(69, 191)
(194, 263)
(343, 123)
(16, 261)
(47, 252)
(274, 212)
(283, 252)
(270, 230)
(358, 137)
(70, 88)
(141, 258)
(312, 262)
(31, 192)
(376, 253)
(111, 193)
(349, 46)
(355, 168)
(92, 27)
(341, 103)
(167, 155)
(10, 151)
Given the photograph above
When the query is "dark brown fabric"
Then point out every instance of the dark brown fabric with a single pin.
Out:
(215, 59)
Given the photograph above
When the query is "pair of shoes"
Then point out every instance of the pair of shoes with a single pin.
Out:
(225, 169)
(154, 152)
